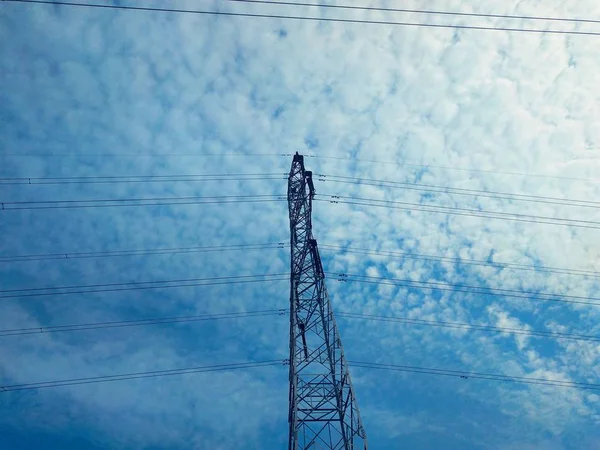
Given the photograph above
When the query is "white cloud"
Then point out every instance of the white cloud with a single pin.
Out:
(118, 82)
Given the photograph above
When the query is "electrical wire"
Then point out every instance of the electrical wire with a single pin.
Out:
(142, 155)
(452, 210)
(140, 285)
(139, 179)
(472, 262)
(281, 312)
(141, 252)
(271, 363)
(221, 197)
(438, 286)
(458, 191)
(468, 326)
(157, 201)
(306, 18)
(137, 283)
(476, 375)
(142, 177)
(286, 155)
(415, 11)
(137, 323)
(282, 245)
(196, 200)
(138, 375)
(434, 166)
(280, 176)
(468, 210)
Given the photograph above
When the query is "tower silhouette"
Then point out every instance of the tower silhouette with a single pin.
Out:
(323, 413)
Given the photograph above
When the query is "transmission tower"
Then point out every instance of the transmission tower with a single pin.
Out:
(323, 411)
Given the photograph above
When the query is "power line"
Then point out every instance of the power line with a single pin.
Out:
(142, 177)
(453, 210)
(477, 375)
(468, 326)
(139, 322)
(451, 287)
(138, 375)
(222, 197)
(305, 18)
(140, 155)
(320, 156)
(138, 179)
(415, 11)
(176, 203)
(280, 312)
(271, 363)
(195, 200)
(278, 176)
(434, 166)
(468, 210)
(157, 201)
(281, 245)
(458, 191)
(140, 285)
(473, 262)
(141, 252)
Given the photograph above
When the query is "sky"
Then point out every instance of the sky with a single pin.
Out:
(90, 92)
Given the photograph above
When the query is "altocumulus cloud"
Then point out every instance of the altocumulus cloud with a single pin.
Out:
(89, 92)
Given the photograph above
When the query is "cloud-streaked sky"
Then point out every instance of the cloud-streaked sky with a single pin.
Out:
(90, 92)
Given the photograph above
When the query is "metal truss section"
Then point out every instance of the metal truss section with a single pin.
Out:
(323, 413)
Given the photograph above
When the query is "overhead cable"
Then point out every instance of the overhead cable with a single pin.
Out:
(29, 181)
(346, 159)
(140, 322)
(140, 155)
(408, 206)
(282, 176)
(156, 201)
(40, 330)
(271, 363)
(307, 18)
(476, 375)
(281, 245)
(468, 326)
(450, 287)
(140, 285)
(138, 375)
(460, 261)
(415, 11)
(141, 252)
(353, 159)
(458, 191)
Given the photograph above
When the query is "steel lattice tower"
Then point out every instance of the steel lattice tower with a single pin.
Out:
(323, 411)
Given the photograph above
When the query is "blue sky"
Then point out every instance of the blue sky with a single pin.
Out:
(83, 91)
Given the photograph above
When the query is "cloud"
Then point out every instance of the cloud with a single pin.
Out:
(115, 83)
